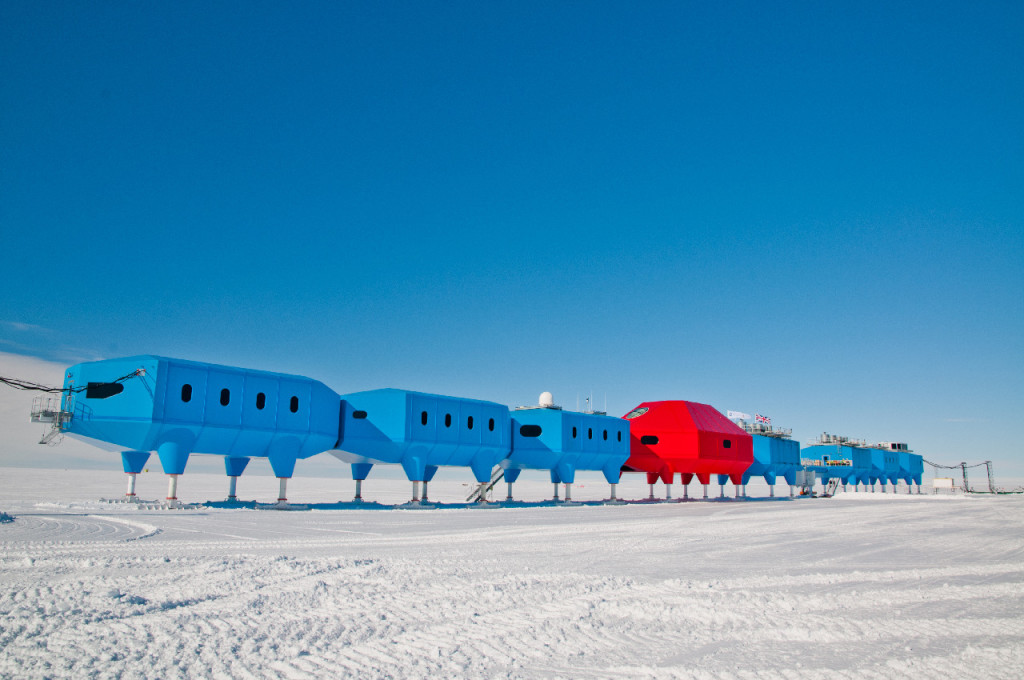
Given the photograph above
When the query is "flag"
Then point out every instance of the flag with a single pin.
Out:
(738, 415)
(762, 419)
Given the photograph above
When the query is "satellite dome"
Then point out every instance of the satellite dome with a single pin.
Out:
(546, 400)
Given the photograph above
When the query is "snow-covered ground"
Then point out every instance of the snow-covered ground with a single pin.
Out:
(862, 585)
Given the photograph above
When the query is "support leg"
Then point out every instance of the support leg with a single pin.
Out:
(555, 499)
(359, 490)
(509, 497)
(568, 493)
(705, 492)
(721, 491)
(686, 492)
(415, 492)
(652, 492)
(771, 491)
(668, 492)
(612, 497)
(130, 493)
(282, 493)
(737, 495)
(232, 488)
(172, 487)
(425, 491)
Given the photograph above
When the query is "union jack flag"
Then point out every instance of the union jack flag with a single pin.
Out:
(758, 418)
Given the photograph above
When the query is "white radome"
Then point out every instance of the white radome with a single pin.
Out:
(546, 399)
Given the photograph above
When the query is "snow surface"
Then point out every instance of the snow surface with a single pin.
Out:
(862, 585)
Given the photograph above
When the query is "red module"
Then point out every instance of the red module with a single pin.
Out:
(667, 437)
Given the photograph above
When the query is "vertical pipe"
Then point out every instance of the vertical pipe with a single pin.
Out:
(686, 492)
(509, 497)
(556, 492)
(415, 492)
(282, 494)
(668, 492)
(481, 493)
(652, 492)
(568, 492)
(359, 490)
(737, 490)
(172, 487)
(721, 492)
(131, 486)
(705, 492)
(771, 491)
(425, 482)
(232, 487)
(613, 492)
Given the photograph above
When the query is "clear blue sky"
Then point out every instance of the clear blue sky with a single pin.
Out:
(809, 210)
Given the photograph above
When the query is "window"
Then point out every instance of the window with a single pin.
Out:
(102, 390)
(590, 433)
(469, 423)
(490, 424)
(447, 419)
(636, 412)
(620, 436)
(574, 432)
(423, 418)
(530, 430)
(186, 393)
(261, 401)
(649, 440)
(225, 396)
(359, 415)
(606, 435)
(726, 443)
(294, 405)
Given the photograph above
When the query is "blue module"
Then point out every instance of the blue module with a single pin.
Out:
(909, 465)
(835, 457)
(775, 455)
(421, 432)
(563, 442)
(178, 407)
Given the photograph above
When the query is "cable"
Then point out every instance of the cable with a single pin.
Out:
(36, 387)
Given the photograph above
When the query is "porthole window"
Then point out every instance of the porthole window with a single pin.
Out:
(606, 435)
(469, 423)
(447, 419)
(294, 405)
(261, 401)
(423, 418)
(649, 440)
(530, 430)
(186, 393)
(726, 443)
(225, 396)
(590, 433)
(359, 415)
(574, 432)
(490, 424)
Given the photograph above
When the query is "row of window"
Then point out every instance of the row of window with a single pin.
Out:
(225, 398)
(425, 418)
(590, 434)
(651, 440)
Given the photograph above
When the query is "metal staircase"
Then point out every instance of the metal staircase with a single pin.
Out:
(830, 488)
(51, 410)
(481, 491)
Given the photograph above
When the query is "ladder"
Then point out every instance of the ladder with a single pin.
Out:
(479, 492)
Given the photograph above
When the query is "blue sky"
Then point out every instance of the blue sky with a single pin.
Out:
(810, 210)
